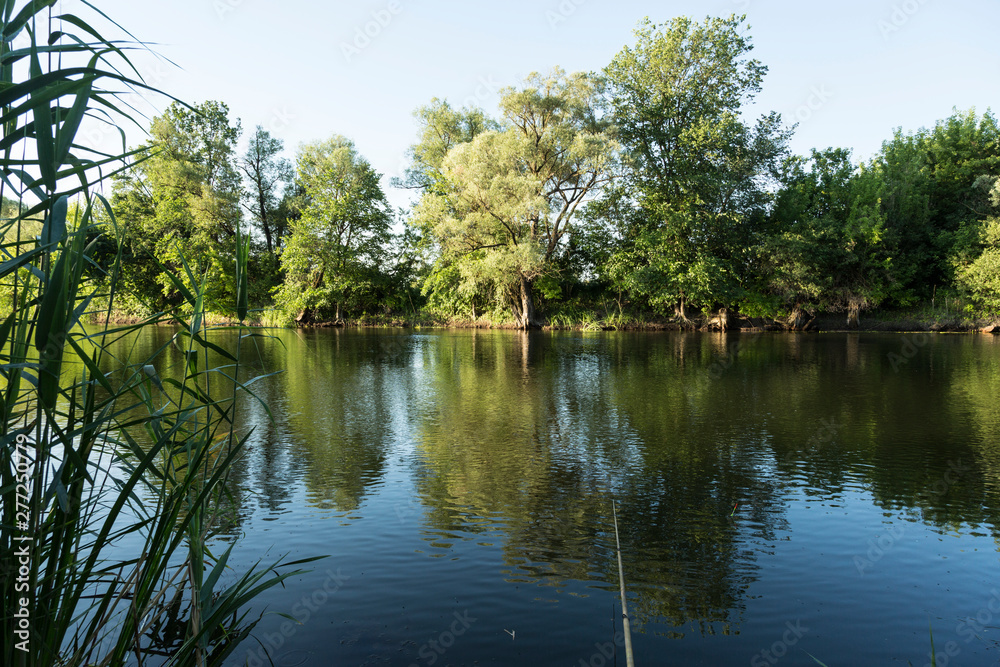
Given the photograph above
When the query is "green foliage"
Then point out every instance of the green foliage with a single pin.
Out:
(182, 198)
(266, 170)
(693, 199)
(929, 197)
(77, 478)
(826, 249)
(332, 257)
(646, 184)
(980, 277)
(503, 203)
(891, 231)
(441, 129)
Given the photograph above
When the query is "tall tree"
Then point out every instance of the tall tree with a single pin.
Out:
(266, 171)
(182, 197)
(504, 203)
(441, 129)
(333, 253)
(697, 173)
(932, 208)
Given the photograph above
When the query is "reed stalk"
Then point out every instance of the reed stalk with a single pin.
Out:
(95, 449)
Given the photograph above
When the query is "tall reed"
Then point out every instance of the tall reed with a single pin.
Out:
(97, 451)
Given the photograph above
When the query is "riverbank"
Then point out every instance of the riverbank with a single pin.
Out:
(881, 320)
(877, 320)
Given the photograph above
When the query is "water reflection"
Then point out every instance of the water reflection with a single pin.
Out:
(519, 441)
(536, 433)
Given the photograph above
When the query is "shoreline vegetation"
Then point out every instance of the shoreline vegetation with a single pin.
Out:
(569, 201)
(889, 321)
(116, 484)
(612, 199)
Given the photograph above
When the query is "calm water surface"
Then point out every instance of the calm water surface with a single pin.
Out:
(778, 496)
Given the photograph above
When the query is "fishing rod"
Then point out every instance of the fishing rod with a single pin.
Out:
(629, 661)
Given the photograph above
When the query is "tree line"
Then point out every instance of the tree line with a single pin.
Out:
(641, 191)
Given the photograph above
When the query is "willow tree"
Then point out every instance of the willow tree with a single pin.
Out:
(503, 204)
(337, 243)
(695, 190)
(441, 129)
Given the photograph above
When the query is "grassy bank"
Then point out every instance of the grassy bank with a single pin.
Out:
(910, 319)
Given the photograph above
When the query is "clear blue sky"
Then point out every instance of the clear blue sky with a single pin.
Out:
(300, 68)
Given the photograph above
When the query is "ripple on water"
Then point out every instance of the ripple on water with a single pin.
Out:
(476, 476)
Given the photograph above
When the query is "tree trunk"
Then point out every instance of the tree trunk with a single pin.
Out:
(524, 307)
(305, 315)
(797, 319)
(263, 220)
(853, 313)
(525, 340)
(679, 311)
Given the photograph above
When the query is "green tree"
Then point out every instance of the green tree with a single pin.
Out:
(503, 205)
(981, 277)
(10, 209)
(332, 256)
(826, 249)
(694, 195)
(266, 171)
(441, 129)
(932, 209)
(182, 197)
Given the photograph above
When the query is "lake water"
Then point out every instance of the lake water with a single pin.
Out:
(779, 496)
